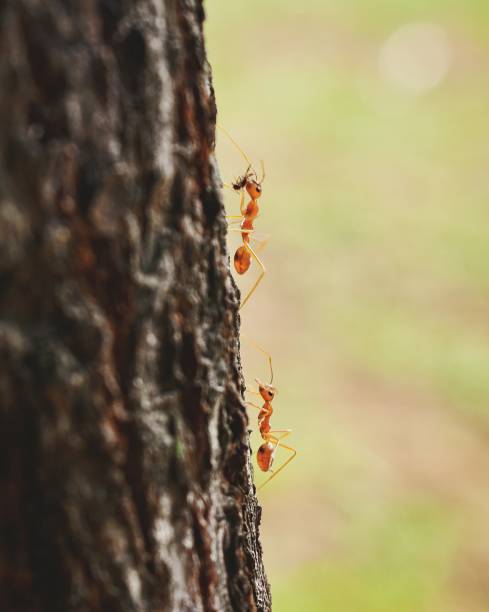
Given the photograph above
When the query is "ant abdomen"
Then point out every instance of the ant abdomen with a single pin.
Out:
(264, 456)
(242, 259)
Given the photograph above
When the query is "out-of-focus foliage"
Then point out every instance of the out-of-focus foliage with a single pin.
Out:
(372, 119)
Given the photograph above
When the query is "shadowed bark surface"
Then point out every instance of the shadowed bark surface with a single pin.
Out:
(125, 479)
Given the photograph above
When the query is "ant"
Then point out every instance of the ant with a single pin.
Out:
(249, 182)
(266, 452)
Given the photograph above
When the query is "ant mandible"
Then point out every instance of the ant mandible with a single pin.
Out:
(266, 453)
(249, 182)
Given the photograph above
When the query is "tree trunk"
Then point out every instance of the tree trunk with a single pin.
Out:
(124, 456)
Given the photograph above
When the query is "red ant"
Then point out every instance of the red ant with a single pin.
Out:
(249, 182)
(266, 453)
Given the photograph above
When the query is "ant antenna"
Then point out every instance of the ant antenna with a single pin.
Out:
(235, 144)
(262, 171)
(262, 350)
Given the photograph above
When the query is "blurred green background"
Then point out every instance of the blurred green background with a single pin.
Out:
(373, 121)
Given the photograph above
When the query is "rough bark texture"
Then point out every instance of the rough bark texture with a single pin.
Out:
(125, 478)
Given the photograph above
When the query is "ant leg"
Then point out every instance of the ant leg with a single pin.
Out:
(254, 405)
(288, 448)
(241, 204)
(241, 231)
(236, 220)
(262, 350)
(251, 391)
(262, 243)
(284, 432)
(258, 280)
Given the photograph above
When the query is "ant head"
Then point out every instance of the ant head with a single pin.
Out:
(267, 392)
(253, 187)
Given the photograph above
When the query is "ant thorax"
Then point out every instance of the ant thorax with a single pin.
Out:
(252, 210)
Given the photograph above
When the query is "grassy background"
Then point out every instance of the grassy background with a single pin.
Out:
(375, 303)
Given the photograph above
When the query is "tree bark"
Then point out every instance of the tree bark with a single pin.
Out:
(125, 481)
